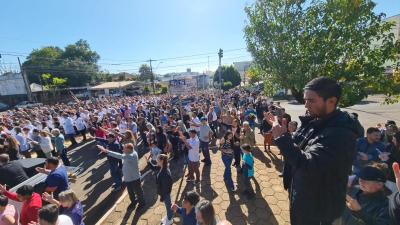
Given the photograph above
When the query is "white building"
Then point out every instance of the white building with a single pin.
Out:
(200, 80)
(242, 67)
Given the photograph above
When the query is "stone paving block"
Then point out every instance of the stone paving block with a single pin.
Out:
(270, 207)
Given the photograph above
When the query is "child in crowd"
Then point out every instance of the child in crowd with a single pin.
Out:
(187, 211)
(248, 170)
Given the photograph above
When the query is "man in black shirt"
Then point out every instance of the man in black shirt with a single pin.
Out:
(11, 173)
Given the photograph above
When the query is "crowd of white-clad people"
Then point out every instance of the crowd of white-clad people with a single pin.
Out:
(169, 128)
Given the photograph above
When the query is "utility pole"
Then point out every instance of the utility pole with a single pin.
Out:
(24, 77)
(220, 55)
(152, 76)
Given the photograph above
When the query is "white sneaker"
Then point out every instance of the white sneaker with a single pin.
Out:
(164, 220)
(168, 222)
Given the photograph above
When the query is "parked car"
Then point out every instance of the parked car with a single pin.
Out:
(28, 104)
(4, 107)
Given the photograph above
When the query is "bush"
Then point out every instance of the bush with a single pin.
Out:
(164, 90)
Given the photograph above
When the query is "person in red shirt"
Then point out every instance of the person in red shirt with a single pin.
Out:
(31, 202)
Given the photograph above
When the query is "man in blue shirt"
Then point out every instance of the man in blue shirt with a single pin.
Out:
(368, 149)
(57, 179)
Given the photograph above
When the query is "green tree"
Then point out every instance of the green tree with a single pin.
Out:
(254, 75)
(229, 76)
(294, 42)
(52, 83)
(102, 76)
(77, 63)
(145, 73)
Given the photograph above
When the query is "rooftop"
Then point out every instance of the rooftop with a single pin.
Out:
(113, 85)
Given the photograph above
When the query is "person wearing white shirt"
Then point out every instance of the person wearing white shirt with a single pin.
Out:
(123, 126)
(193, 144)
(45, 144)
(195, 123)
(24, 146)
(68, 125)
(49, 215)
(212, 120)
(81, 125)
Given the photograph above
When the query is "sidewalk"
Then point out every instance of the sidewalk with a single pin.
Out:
(269, 207)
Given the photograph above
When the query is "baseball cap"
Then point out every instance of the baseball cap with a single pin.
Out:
(203, 119)
(370, 173)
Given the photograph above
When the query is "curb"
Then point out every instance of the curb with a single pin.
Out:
(120, 199)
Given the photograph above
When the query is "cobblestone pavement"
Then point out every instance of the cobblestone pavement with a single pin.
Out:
(269, 207)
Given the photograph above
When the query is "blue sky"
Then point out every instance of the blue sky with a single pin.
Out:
(126, 32)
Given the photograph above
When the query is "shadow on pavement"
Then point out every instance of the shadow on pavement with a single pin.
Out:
(278, 162)
(258, 154)
(93, 215)
(258, 210)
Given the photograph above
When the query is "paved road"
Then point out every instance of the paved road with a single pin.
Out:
(370, 111)
(270, 206)
(93, 185)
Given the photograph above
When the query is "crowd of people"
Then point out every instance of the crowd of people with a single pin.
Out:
(333, 174)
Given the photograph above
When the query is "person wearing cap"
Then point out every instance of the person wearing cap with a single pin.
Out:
(320, 155)
(368, 203)
(205, 135)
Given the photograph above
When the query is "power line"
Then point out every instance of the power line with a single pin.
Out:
(19, 54)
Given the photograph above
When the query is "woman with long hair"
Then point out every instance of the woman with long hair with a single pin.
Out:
(127, 137)
(266, 132)
(164, 187)
(227, 158)
(12, 147)
(205, 213)
(68, 204)
(236, 142)
(161, 139)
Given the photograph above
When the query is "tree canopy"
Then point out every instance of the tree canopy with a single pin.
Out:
(145, 73)
(230, 77)
(77, 63)
(296, 41)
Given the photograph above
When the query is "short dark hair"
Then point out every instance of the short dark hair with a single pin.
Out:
(53, 160)
(3, 200)
(192, 197)
(325, 87)
(25, 190)
(246, 147)
(193, 131)
(49, 213)
(372, 130)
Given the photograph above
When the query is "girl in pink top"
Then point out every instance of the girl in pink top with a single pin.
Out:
(8, 214)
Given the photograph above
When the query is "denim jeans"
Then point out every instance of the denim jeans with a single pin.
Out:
(135, 191)
(206, 152)
(168, 204)
(71, 137)
(227, 160)
(64, 157)
(116, 173)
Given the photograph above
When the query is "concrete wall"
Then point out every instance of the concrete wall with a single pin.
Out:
(12, 84)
